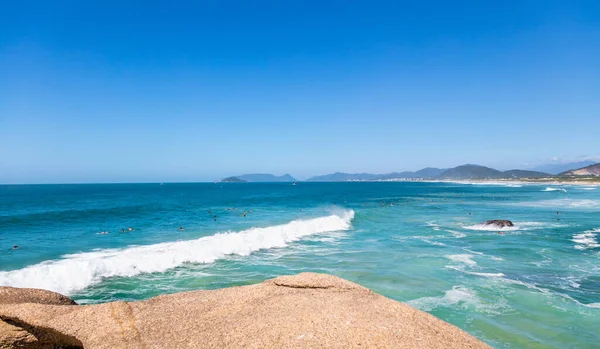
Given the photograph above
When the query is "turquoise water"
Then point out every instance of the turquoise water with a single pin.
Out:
(534, 285)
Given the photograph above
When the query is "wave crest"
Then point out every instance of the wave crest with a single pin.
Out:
(77, 271)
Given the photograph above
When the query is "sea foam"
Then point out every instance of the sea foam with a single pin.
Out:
(586, 240)
(555, 189)
(77, 271)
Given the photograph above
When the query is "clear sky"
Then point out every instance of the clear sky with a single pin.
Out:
(95, 91)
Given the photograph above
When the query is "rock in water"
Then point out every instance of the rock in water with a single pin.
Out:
(307, 310)
(499, 223)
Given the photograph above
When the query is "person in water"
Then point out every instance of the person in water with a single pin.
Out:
(244, 214)
(215, 218)
(130, 229)
(123, 230)
(15, 247)
(181, 228)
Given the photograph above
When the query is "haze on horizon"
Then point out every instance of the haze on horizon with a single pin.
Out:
(118, 92)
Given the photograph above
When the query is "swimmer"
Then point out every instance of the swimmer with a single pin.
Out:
(123, 230)
(215, 218)
(130, 229)
(244, 214)
(104, 233)
(469, 213)
(181, 228)
(500, 232)
(15, 247)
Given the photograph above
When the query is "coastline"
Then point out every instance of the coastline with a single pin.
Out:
(593, 181)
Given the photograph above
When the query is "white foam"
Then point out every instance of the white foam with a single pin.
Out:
(555, 189)
(456, 234)
(586, 240)
(562, 203)
(458, 295)
(435, 243)
(515, 227)
(462, 258)
(78, 271)
(588, 188)
(462, 270)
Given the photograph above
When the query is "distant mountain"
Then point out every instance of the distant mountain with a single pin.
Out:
(560, 168)
(470, 172)
(233, 180)
(591, 170)
(264, 177)
(428, 172)
(525, 174)
(482, 172)
(341, 177)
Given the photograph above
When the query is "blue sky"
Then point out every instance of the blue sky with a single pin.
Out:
(187, 91)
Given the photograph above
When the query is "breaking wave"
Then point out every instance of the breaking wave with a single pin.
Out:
(77, 271)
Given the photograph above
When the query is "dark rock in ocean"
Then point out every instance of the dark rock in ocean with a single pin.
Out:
(500, 223)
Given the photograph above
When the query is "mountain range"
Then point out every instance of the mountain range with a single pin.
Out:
(459, 172)
(560, 168)
(463, 172)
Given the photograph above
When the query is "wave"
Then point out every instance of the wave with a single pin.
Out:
(555, 189)
(463, 297)
(516, 226)
(77, 271)
(562, 203)
(586, 240)
(549, 292)
(456, 234)
(462, 270)
(457, 295)
(462, 258)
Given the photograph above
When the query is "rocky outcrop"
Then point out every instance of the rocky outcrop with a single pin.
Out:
(499, 223)
(14, 334)
(13, 295)
(301, 311)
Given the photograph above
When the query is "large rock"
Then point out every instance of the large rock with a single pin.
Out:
(499, 223)
(306, 310)
(13, 295)
(20, 335)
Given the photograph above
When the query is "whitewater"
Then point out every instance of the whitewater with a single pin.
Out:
(77, 271)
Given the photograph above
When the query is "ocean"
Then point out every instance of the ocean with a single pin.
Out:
(534, 285)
